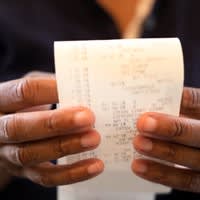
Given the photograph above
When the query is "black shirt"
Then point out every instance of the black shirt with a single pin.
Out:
(29, 28)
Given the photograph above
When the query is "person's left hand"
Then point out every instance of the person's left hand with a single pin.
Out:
(172, 139)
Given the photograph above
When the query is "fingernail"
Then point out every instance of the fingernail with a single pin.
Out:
(140, 168)
(84, 118)
(149, 125)
(145, 144)
(96, 168)
(90, 140)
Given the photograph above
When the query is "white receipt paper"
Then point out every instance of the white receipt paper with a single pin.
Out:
(119, 80)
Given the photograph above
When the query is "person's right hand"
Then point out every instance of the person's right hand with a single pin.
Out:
(28, 140)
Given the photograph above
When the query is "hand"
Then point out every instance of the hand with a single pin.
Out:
(172, 139)
(28, 140)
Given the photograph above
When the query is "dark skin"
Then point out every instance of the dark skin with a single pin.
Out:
(31, 135)
(29, 139)
(172, 139)
(169, 138)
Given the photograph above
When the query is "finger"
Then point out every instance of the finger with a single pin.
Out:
(51, 149)
(50, 175)
(39, 74)
(37, 108)
(177, 178)
(190, 105)
(176, 129)
(27, 92)
(174, 153)
(23, 127)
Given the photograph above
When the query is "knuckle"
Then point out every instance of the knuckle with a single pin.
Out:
(59, 149)
(13, 155)
(4, 124)
(45, 180)
(76, 174)
(50, 123)
(25, 91)
(24, 157)
(21, 89)
(180, 127)
(58, 121)
(9, 128)
(195, 100)
(191, 98)
(192, 183)
(69, 176)
(171, 152)
(159, 178)
(12, 127)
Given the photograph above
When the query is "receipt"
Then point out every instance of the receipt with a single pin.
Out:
(119, 80)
